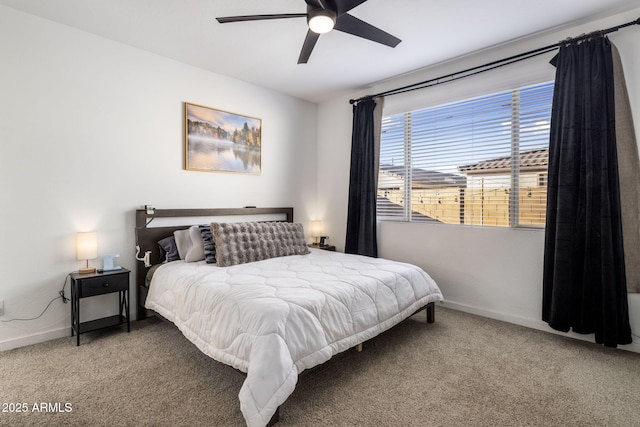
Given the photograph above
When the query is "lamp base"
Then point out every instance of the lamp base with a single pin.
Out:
(86, 270)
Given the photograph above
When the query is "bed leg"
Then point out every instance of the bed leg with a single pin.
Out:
(142, 296)
(359, 348)
(431, 312)
(275, 418)
(142, 313)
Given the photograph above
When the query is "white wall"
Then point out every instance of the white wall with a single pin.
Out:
(90, 130)
(493, 272)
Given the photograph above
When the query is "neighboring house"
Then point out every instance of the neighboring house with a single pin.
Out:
(395, 210)
(487, 198)
(435, 196)
(481, 197)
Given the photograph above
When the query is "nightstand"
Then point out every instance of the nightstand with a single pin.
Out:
(92, 284)
(323, 247)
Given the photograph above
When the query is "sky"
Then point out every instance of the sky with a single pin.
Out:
(469, 131)
(226, 120)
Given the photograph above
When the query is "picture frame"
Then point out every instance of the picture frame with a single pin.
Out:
(221, 141)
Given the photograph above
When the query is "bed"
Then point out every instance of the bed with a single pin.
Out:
(275, 315)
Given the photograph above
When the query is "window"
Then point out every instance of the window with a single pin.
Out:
(481, 161)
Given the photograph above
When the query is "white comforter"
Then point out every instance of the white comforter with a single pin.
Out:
(275, 318)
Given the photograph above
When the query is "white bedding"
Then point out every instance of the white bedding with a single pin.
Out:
(275, 318)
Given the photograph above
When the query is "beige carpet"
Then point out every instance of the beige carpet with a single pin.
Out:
(462, 370)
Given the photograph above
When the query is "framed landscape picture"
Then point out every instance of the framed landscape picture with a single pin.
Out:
(220, 141)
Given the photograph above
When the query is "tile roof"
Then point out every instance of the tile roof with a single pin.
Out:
(387, 207)
(528, 159)
(429, 177)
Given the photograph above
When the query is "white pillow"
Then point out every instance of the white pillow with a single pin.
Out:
(196, 253)
(183, 242)
(190, 244)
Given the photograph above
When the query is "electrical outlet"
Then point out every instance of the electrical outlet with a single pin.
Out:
(1, 307)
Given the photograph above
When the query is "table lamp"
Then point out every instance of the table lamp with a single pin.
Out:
(86, 249)
(316, 231)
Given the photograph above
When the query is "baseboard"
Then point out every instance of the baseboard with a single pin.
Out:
(529, 323)
(34, 339)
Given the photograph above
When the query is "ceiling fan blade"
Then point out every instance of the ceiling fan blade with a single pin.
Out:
(344, 6)
(317, 4)
(352, 25)
(307, 47)
(227, 19)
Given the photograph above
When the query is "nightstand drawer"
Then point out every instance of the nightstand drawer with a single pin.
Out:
(103, 285)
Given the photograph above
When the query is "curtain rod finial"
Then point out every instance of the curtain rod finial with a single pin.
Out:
(364, 98)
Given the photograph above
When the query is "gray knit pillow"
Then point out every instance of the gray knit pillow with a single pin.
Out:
(209, 246)
(242, 242)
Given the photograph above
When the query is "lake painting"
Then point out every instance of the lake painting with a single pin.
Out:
(219, 141)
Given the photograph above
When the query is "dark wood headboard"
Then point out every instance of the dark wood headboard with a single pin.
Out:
(147, 236)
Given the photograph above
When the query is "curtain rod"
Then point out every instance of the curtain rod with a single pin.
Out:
(493, 65)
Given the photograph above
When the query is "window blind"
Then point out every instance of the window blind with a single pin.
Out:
(480, 161)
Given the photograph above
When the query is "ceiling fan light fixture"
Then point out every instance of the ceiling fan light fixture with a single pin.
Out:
(322, 17)
(321, 21)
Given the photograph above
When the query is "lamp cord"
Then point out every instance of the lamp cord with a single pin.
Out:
(141, 227)
(62, 296)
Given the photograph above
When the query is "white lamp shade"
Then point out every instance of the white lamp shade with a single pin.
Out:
(87, 246)
(316, 228)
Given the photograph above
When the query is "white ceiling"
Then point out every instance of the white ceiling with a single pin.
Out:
(266, 52)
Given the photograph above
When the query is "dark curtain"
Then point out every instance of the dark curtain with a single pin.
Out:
(361, 218)
(584, 285)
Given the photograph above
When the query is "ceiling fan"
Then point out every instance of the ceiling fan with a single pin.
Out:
(322, 17)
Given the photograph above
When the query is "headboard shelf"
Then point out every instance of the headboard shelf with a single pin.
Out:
(142, 216)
